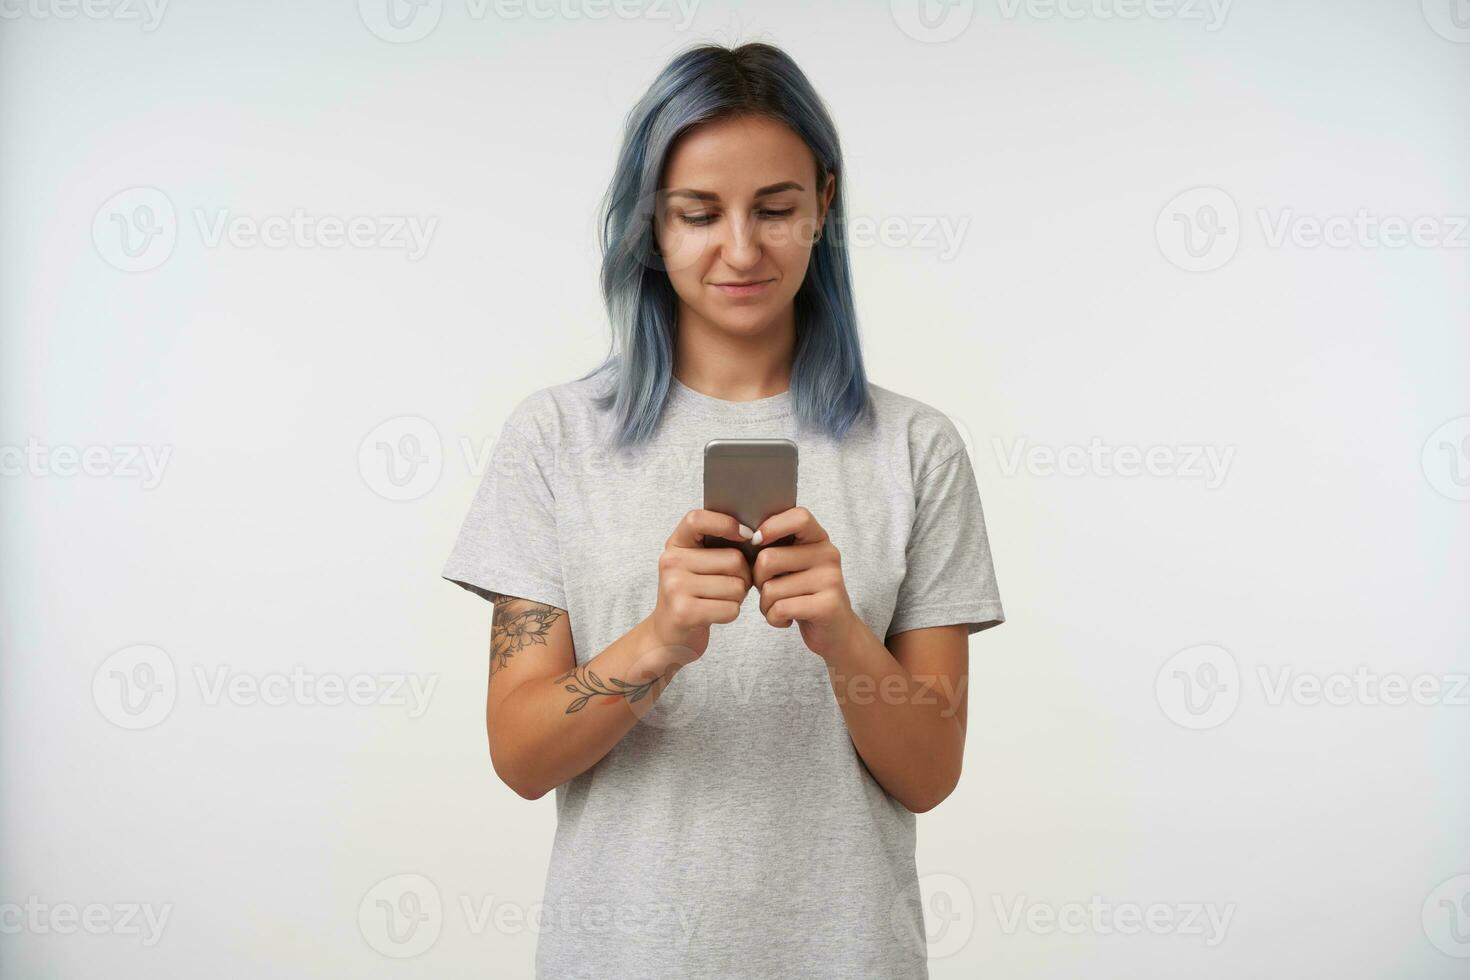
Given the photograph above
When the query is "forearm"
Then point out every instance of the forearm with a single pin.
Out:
(549, 730)
(905, 727)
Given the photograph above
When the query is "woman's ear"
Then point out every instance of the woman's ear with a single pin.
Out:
(826, 202)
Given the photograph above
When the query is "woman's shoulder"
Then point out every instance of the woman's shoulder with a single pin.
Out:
(930, 433)
(555, 413)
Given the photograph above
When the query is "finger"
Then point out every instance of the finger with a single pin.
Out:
(730, 587)
(784, 612)
(711, 561)
(797, 521)
(784, 560)
(698, 524)
(808, 582)
(715, 610)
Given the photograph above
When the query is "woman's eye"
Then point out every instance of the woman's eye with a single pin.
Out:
(704, 219)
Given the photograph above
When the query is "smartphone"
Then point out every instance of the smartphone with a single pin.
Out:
(749, 479)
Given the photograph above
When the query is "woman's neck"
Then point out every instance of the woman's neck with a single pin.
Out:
(736, 366)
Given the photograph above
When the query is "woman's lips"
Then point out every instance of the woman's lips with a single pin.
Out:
(750, 290)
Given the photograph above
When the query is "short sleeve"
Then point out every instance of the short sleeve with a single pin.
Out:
(950, 578)
(508, 543)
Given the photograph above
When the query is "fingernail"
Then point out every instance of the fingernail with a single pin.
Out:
(745, 532)
(755, 538)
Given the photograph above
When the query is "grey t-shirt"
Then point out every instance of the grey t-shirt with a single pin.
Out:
(734, 831)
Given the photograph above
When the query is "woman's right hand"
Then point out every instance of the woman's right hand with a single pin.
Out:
(698, 586)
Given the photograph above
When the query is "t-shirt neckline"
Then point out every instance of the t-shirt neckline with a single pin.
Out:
(755, 410)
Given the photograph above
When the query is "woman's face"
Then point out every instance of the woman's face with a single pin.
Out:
(738, 205)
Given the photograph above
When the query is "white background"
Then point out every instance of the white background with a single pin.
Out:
(1067, 313)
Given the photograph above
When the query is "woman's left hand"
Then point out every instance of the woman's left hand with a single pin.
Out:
(803, 581)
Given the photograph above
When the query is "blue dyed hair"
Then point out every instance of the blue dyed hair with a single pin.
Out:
(829, 388)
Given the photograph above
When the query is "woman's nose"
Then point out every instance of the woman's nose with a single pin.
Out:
(741, 243)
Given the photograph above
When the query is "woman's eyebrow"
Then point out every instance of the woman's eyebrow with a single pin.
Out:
(785, 185)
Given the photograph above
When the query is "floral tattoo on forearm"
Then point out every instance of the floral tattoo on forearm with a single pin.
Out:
(587, 685)
(517, 624)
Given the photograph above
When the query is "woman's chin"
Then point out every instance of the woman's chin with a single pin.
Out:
(752, 326)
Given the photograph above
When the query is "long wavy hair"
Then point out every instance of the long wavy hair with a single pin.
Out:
(829, 387)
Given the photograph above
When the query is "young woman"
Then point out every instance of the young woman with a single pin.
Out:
(735, 798)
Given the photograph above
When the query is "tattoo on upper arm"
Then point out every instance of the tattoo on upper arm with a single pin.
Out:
(517, 624)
